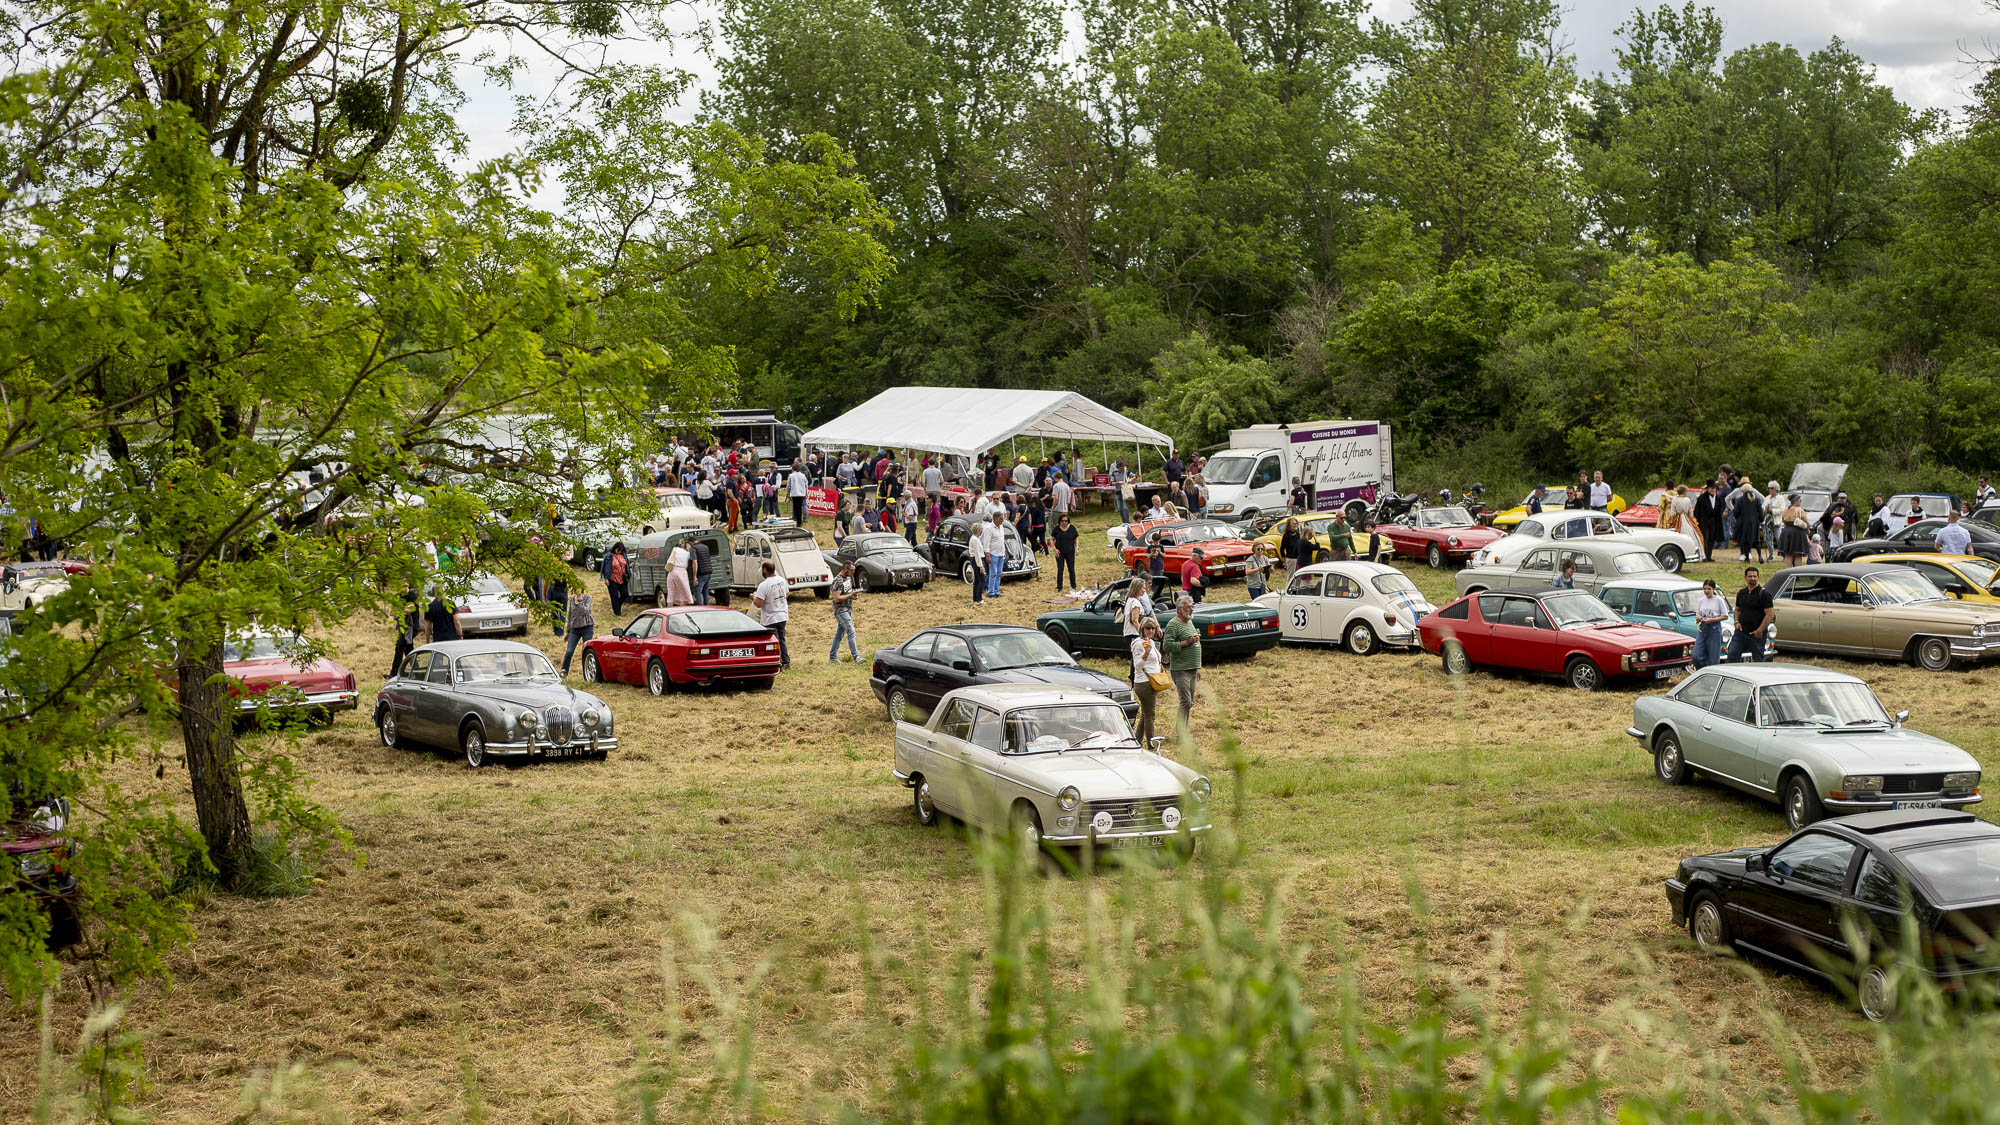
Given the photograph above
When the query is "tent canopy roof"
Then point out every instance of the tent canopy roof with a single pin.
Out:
(968, 421)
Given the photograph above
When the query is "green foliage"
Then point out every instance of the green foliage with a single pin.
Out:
(1200, 391)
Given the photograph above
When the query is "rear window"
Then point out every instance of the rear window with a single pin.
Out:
(1455, 611)
(1966, 871)
(711, 622)
(1635, 562)
(794, 539)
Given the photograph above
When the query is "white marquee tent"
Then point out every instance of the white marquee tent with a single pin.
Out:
(967, 421)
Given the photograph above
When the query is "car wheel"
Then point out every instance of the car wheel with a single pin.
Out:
(1802, 805)
(762, 683)
(1668, 764)
(473, 741)
(1670, 559)
(659, 597)
(927, 813)
(861, 581)
(1356, 512)
(1360, 638)
(591, 673)
(656, 677)
(588, 559)
(1434, 556)
(966, 572)
(1875, 995)
(385, 724)
(897, 702)
(1583, 674)
(1456, 662)
(1706, 924)
(1060, 636)
(1934, 654)
(1027, 825)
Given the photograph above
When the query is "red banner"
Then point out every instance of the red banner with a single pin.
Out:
(822, 502)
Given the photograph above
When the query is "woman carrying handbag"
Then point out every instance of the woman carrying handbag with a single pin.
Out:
(1149, 678)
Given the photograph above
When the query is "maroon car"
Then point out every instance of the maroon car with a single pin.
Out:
(1566, 633)
(1439, 535)
(34, 842)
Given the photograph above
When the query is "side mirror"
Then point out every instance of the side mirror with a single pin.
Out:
(619, 631)
(1157, 744)
(962, 665)
(1757, 862)
(1903, 716)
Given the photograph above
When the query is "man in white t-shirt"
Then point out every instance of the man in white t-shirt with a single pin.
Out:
(996, 556)
(933, 479)
(1024, 474)
(975, 549)
(1061, 491)
(1600, 492)
(795, 489)
(774, 608)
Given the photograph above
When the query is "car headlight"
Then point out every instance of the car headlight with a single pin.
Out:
(1200, 789)
(1978, 632)
(529, 720)
(590, 720)
(1962, 780)
(38, 865)
(1223, 509)
(1451, 540)
(1862, 783)
(1069, 798)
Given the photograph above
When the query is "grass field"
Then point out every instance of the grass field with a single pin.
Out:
(518, 939)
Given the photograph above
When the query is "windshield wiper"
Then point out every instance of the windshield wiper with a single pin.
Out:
(1796, 723)
(1866, 723)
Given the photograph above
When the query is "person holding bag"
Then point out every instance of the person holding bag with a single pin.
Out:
(1149, 679)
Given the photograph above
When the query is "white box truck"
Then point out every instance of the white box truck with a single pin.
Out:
(1344, 464)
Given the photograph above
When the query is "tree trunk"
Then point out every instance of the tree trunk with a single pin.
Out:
(209, 733)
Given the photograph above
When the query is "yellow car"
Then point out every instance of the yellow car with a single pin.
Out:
(1317, 523)
(1968, 578)
(1553, 499)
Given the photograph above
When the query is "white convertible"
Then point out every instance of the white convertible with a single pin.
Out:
(1672, 548)
(1362, 605)
(1050, 766)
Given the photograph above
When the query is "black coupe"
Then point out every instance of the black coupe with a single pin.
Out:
(1920, 536)
(914, 675)
(1844, 898)
(945, 550)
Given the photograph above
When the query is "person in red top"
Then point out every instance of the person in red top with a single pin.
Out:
(1193, 582)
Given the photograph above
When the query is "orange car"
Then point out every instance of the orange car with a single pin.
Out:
(1225, 552)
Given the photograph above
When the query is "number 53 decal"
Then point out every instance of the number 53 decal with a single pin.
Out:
(1298, 617)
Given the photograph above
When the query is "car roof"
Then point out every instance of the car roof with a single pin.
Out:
(1593, 545)
(1911, 827)
(1016, 695)
(1349, 568)
(976, 629)
(1538, 592)
(468, 648)
(1847, 570)
(1761, 675)
(1668, 582)
(662, 611)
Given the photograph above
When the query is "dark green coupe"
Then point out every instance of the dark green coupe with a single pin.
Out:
(1227, 629)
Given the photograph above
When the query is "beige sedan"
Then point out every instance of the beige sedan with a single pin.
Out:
(1880, 610)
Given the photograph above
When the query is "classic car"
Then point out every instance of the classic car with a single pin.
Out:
(1362, 605)
(882, 560)
(1667, 601)
(1988, 513)
(1905, 508)
(1672, 548)
(1857, 900)
(1597, 561)
(1227, 628)
(1223, 553)
(1816, 482)
(1968, 578)
(1318, 525)
(1810, 739)
(25, 585)
(490, 609)
(272, 674)
(736, 563)
(1880, 610)
(34, 842)
(927, 667)
(945, 551)
(490, 699)
(1554, 632)
(672, 509)
(1437, 535)
(1552, 501)
(1053, 767)
(688, 644)
(1917, 539)
(1646, 513)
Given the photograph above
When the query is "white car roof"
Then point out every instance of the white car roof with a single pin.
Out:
(1351, 569)
(1672, 583)
(1003, 696)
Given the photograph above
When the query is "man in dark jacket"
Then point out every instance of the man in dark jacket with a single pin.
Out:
(1708, 517)
(702, 566)
(1844, 509)
(1747, 510)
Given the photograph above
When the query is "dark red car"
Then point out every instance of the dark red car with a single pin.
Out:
(1566, 633)
(262, 663)
(685, 644)
(1224, 550)
(1439, 535)
(34, 842)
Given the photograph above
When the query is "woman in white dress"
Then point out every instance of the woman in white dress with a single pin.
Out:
(679, 592)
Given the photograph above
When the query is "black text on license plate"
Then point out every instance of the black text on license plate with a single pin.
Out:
(737, 653)
(1919, 804)
(1134, 842)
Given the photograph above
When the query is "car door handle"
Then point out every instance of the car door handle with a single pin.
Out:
(1705, 726)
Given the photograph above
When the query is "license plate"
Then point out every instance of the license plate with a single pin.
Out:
(1662, 673)
(573, 750)
(1134, 842)
(737, 653)
(1919, 804)
(498, 623)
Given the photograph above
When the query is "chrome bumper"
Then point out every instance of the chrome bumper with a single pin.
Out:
(907, 779)
(534, 748)
(1635, 732)
(1882, 804)
(342, 700)
(1969, 649)
(1087, 837)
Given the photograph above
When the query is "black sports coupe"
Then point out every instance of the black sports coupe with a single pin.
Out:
(917, 673)
(1920, 536)
(1859, 900)
(945, 550)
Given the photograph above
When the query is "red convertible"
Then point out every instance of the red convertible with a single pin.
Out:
(1223, 550)
(1567, 633)
(261, 664)
(1646, 513)
(1438, 534)
(686, 644)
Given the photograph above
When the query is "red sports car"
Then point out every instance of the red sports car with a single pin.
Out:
(1566, 633)
(1438, 534)
(1225, 552)
(263, 662)
(685, 644)
(1646, 513)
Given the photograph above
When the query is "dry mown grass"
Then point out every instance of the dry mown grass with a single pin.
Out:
(502, 949)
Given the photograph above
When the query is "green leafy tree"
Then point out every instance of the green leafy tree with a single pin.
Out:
(1201, 391)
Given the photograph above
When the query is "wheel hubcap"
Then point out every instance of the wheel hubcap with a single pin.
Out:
(1437, 558)
(1363, 639)
(656, 680)
(1795, 809)
(1875, 994)
(899, 704)
(388, 729)
(475, 748)
(925, 809)
(1585, 676)
(1707, 924)
(1670, 759)
(589, 669)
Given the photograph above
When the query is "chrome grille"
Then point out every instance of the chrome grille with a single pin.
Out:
(559, 724)
(1913, 783)
(1141, 814)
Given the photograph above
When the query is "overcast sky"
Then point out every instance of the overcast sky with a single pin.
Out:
(1920, 48)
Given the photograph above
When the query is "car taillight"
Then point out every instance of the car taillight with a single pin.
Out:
(703, 651)
(1216, 630)
(350, 681)
(1389, 618)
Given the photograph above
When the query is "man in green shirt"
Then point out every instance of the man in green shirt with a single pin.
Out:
(1339, 537)
(1182, 642)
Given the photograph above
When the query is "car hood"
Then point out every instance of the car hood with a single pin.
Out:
(1972, 613)
(1820, 476)
(1898, 748)
(537, 696)
(1109, 775)
(1637, 636)
(1731, 860)
(272, 671)
(1087, 679)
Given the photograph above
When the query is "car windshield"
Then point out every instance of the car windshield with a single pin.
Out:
(1579, 611)
(1636, 562)
(1018, 650)
(1907, 588)
(261, 646)
(1980, 572)
(1966, 871)
(1655, 498)
(1203, 532)
(676, 500)
(1040, 730)
(709, 622)
(879, 544)
(1831, 703)
(1397, 584)
(1444, 517)
(795, 539)
(509, 665)
(487, 584)
(1685, 601)
(1225, 468)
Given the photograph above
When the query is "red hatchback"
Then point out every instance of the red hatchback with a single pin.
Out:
(1566, 633)
(685, 644)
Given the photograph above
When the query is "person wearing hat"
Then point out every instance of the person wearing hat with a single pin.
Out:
(1774, 512)
(1746, 510)
(1842, 509)
(1024, 474)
